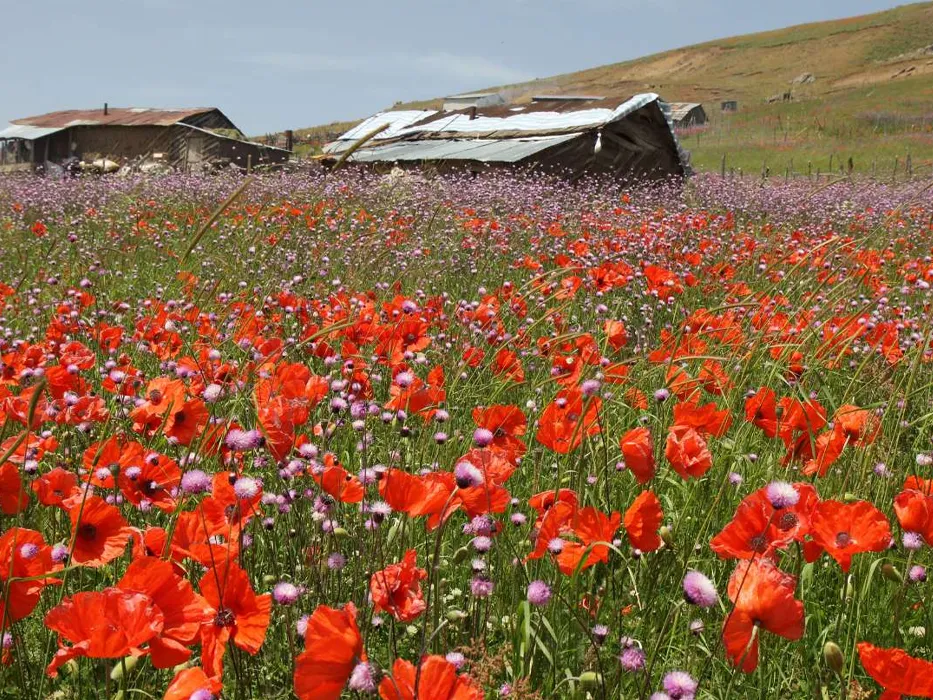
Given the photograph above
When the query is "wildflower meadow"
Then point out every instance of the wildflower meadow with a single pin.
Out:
(321, 436)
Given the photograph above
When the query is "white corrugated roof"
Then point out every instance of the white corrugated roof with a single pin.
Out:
(30, 133)
(481, 150)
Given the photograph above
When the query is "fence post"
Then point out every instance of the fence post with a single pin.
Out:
(809, 169)
(831, 162)
(722, 166)
(910, 166)
(894, 172)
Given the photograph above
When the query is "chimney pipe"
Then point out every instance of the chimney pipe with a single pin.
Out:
(289, 139)
(106, 111)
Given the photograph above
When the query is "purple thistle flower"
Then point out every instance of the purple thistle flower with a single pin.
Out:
(467, 475)
(246, 488)
(285, 593)
(632, 659)
(363, 678)
(782, 494)
(699, 590)
(243, 440)
(539, 593)
(913, 541)
(917, 574)
(195, 481)
(481, 587)
(680, 685)
(482, 437)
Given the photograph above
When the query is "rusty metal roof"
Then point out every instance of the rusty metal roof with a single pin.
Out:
(116, 116)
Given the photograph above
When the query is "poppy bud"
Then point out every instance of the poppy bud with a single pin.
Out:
(129, 663)
(268, 579)
(589, 680)
(340, 532)
(833, 657)
(890, 573)
(456, 615)
(460, 555)
(667, 535)
(69, 668)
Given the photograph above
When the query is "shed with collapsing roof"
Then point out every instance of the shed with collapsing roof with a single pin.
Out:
(627, 138)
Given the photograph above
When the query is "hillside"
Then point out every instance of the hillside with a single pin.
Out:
(871, 98)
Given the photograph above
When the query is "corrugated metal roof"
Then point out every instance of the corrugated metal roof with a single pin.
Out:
(30, 133)
(116, 116)
(481, 150)
(396, 120)
(541, 122)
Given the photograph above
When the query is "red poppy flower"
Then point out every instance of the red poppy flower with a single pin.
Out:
(638, 453)
(183, 610)
(506, 364)
(109, 624)
(642, 521)
(914, 512)
(55, 487)
(844, 529)
(507, 424)
(567, 419)
(616, 334)
(189, 681)
(417, 495)
(396, 589)
(23, 555)
(438, 681)
(687, 452)
(706, 419)
(543, 501)
(333, 647)
(148, 478)
(238, 615)
(186, 421)
(98, 531)
(764, 599)
(591, 529)
(758, 528)
(897, 672)
(13, 496)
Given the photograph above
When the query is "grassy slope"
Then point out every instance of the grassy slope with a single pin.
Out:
(872, 99)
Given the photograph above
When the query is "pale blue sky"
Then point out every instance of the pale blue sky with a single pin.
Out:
(274, 64)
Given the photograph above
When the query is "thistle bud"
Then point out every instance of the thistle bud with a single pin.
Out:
(667, 535)
(340, 532)
(455, 615)
(833, 657)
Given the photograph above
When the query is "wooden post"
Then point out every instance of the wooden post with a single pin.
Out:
(873, 170)
(894, 172)
(722, 166)
(910, 166)
(831, 162)
(249, 163)
(809, 169)
(289, 139)
(764, 166)
(786, 175)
